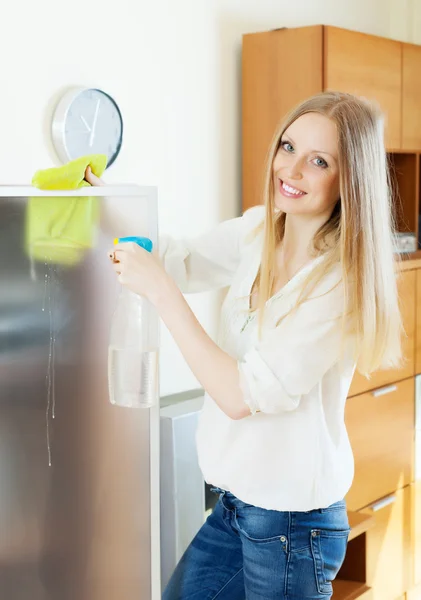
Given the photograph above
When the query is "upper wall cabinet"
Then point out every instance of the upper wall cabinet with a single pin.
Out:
(368, 66)
(411, 94)
(283, 67)
(280, 69)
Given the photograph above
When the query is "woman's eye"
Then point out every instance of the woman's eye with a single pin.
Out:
(287, 146)
(320, 162)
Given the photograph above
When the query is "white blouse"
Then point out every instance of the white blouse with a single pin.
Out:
(293, 453)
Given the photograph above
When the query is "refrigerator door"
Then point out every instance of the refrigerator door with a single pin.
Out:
(79, 497)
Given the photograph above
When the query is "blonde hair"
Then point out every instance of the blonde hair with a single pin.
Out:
(358, 235)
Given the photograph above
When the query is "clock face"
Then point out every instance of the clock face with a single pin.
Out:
(91, 124)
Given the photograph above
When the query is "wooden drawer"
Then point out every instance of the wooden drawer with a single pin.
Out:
(407, 290)
(416, 516)
(350, 590)
(381, 430)
(414, 594)
(389, 560)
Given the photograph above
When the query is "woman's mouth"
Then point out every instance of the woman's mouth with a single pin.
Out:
(289, 191)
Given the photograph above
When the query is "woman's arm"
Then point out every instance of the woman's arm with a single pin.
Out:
(273, 376)
(204, 262)
(216, 371)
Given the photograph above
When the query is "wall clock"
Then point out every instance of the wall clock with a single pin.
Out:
(87, 121)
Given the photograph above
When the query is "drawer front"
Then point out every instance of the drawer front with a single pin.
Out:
(381, 430)
(416, 541)
(406, 287)
(388, 547)
(414, 594)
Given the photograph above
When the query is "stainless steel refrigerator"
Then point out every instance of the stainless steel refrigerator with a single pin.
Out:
(79, 478)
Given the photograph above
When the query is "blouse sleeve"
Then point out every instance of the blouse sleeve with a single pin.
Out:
(209, 261)
(295, 356)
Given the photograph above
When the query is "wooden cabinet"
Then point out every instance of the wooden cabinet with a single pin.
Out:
(411, 93)
(414, 593)
(416, 504)
(388, 547)
(404, 171)
(407, 287)
(350, 590)
(283, 67)
(418, 323)
(270, 88)
(368, 66)
(331, 58)
(380, 425)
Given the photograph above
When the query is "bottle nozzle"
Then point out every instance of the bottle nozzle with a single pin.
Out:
(143, 242)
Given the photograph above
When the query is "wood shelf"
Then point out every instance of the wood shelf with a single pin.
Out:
(410, 261)
(350, 590)
(359, 523)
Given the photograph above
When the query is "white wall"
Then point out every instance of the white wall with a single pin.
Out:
(174, 68)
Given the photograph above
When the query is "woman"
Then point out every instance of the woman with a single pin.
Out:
(312, 295)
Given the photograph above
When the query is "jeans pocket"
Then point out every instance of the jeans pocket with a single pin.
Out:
(261, 526)
(328, 549)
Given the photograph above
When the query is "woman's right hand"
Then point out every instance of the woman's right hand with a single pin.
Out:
(92, 179)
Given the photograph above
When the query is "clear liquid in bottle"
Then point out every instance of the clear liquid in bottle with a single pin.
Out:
(132, 377)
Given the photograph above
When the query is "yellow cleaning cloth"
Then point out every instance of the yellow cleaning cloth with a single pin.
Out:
(58, 229)
(70, 176)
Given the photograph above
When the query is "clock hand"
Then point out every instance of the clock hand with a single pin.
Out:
(82, 118)
(91, 138)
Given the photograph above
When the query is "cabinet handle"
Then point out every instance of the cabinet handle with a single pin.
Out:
(385, 390)
(382, 503)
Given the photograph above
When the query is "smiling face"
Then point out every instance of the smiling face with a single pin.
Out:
(306, 169)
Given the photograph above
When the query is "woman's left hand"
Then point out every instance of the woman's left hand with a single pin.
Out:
(140, 271)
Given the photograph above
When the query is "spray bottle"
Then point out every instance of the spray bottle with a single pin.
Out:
(133, 348)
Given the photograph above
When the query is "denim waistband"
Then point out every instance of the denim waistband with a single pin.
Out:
(234, 501)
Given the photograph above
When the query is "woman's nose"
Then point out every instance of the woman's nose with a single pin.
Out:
(294, 170)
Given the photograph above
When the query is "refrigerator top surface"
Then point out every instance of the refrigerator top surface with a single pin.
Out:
(25, 191)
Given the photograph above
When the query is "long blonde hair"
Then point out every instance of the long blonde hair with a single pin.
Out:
(359, 233)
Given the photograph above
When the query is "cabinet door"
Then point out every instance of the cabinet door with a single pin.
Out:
(388, 557)
(380, 425)
(416, 504)
(414, 593)
(406, 288)
(279, 69)
(418, 321)
(411, 93)
(367, 66)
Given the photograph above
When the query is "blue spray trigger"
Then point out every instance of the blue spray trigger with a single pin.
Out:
(143, 242)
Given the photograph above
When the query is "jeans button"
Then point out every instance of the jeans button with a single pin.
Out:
(283, 539)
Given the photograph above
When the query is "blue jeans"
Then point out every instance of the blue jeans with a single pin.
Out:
(245, 552)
